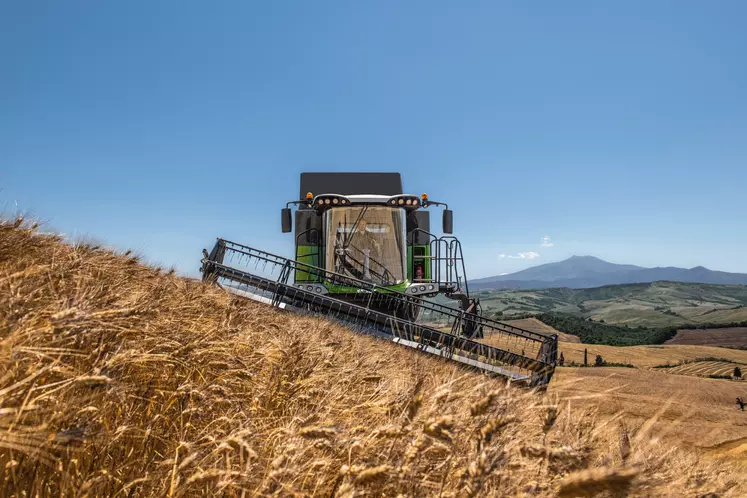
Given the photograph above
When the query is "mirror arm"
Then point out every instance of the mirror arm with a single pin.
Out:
(429, 202)
(297, 203)
(448, 226)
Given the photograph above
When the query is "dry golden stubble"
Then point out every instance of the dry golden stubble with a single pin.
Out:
(117, 378)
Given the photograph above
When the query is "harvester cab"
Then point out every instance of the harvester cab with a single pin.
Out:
(365, 226)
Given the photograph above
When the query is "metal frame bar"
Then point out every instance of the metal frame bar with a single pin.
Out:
(280, 293)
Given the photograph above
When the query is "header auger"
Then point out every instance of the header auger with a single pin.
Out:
(364, 255)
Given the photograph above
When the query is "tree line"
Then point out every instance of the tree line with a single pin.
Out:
(591, 332)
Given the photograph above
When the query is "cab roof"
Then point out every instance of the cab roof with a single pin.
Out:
(367, 184)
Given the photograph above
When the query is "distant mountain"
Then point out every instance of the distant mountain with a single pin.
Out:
(580, 272)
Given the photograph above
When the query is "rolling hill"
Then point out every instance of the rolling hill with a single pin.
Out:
(730, 337)
(578, 272)
(657, 304)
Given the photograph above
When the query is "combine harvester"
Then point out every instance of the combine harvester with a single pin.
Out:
(365, 256)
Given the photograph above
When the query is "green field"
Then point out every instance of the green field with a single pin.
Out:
(658, 304)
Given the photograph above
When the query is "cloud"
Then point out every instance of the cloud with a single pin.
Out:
(521, 255)
(546, 242)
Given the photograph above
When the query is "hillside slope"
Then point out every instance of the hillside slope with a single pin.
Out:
(117, 379)
(733, 337)
(542, 328)
(699, 413)
(657, 304)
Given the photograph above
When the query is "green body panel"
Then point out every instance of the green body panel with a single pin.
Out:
(344, 289)
(310, 256)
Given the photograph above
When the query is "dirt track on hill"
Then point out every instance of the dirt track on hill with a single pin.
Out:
(727, 337)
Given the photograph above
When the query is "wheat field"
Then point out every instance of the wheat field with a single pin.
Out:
(119, 379)
(535, 325)
(649, 356)
(693, 413)
(706, 368)
(729, 337)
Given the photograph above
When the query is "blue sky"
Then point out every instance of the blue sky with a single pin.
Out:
(616, 129)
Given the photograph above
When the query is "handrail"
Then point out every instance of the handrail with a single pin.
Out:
(452, 247)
